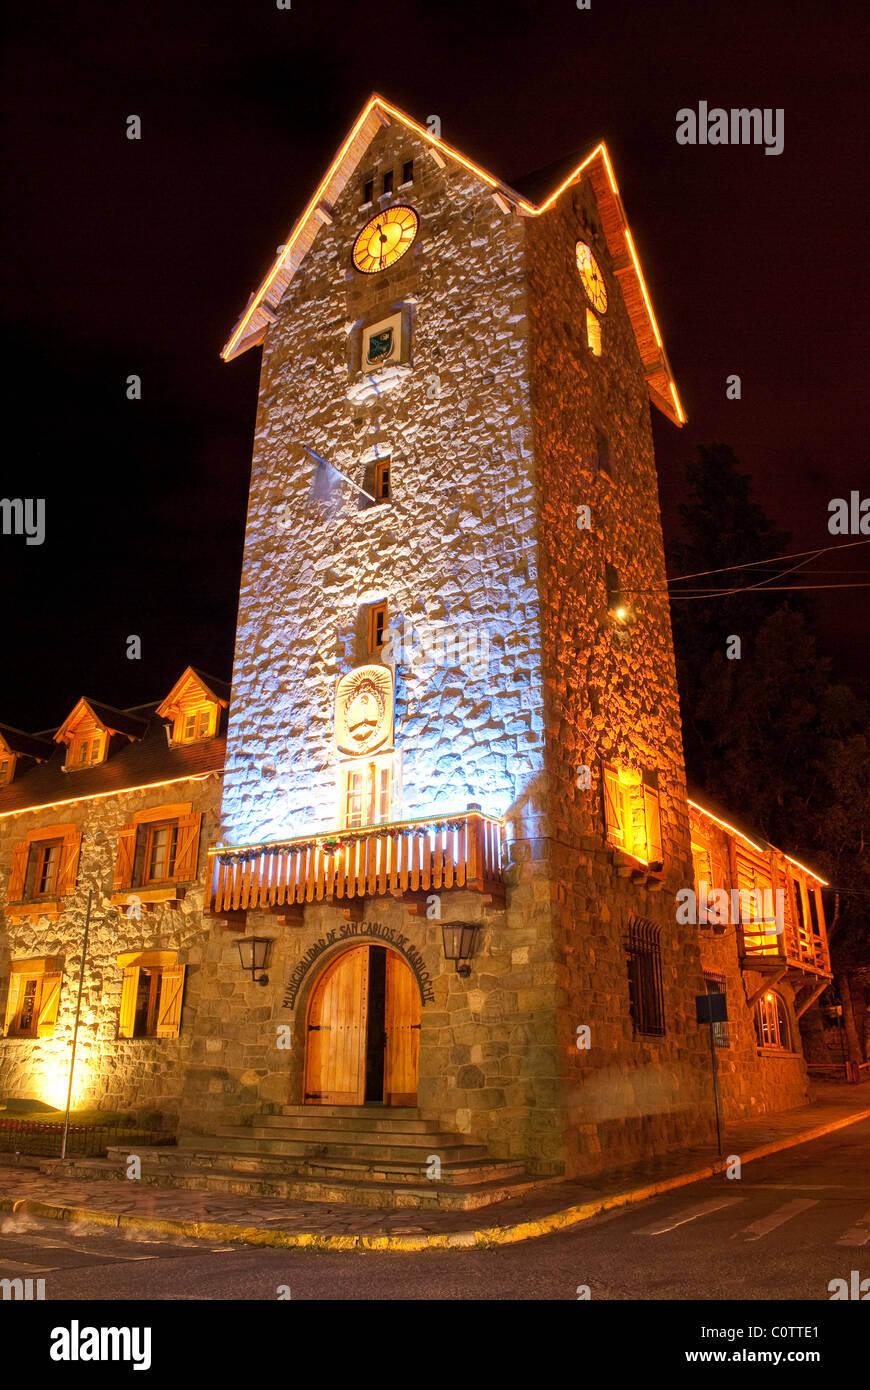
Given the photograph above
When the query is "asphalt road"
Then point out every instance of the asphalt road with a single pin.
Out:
(789, 1226)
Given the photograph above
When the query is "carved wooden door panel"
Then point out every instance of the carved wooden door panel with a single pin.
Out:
(402, 1051)
(335, 1068)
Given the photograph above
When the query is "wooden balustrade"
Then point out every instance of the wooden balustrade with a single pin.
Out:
(462, 851)
(795, 946)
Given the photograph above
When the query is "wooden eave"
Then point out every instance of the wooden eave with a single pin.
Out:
(259, 313)
(178, 697)
(103, 717)
(19, 744)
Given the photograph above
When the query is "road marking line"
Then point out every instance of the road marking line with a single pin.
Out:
(766, 1224)
(31, 1269)
(687, 1214)
(859, 1234)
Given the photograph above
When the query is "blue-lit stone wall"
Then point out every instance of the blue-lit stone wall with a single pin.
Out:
(453, 553)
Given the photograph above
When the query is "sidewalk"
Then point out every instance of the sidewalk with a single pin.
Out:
(552, 1206)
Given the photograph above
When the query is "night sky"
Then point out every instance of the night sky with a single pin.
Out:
(125, 257)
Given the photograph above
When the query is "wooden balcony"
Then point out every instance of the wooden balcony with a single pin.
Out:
(403, 859)
(794, 948)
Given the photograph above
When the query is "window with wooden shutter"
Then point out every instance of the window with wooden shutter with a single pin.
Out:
(13, 999)
(69, 864)
(613, 806)
(129, 993)
(653, 822)
(48, 1005)
(124, 859)
(15, 893)
(187, 848)
(169, 1007)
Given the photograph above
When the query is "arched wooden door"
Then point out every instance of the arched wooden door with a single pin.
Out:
(335, 1062)
(402, 1026)
(363, 1036)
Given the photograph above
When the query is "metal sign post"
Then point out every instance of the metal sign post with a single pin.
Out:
(712, 1009)
(72, 1064)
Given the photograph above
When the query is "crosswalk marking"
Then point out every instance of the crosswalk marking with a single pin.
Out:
(669, 1223)
(859, 1234)
(765, 1224)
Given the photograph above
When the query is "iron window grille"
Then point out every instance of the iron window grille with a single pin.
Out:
(643, 959)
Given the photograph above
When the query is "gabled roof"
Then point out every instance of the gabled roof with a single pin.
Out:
(757, 843)
(259, 312)
(114, 721)
(193, 680)
(147, 761)
(16, 741)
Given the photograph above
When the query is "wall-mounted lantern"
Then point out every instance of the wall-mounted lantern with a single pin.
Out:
(254, 953)
(459, 940)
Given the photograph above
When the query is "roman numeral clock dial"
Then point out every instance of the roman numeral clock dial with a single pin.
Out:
(591, 278)
(385, 238)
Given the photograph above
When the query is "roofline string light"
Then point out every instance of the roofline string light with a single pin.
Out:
(528, 208)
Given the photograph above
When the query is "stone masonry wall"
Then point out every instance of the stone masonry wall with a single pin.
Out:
(610, 695)
(111, 1073)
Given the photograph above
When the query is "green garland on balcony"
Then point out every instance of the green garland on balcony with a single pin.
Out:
(332, 843)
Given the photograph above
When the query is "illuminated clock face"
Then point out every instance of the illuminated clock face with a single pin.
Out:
(385, 238)
(593, 280)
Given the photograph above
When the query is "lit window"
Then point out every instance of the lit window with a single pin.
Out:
(408, 171)
(771, 1022)
(196, 725)
(160, 846)
(377, 626)
(593, 333)
(368, 795)
(33, 999)
(151, 998)
(632, 814)
(47, 866)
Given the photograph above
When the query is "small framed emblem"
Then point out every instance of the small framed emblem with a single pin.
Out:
(382, 343)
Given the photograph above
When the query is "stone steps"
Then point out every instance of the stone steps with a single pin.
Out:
(230, 1138)
(364, 1155)
(380, 1168)
(426, 1196)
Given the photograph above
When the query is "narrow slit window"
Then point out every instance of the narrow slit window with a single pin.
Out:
(377, 626)
(593, 333)
(388, 181)
(408, 171)
(368, 191)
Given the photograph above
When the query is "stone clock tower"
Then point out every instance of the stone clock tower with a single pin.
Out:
(452, 598)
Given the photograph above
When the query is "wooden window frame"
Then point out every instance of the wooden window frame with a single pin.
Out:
(151, 830)
(165, 994)
(374, 772)
(196, 712)
(375, 611)
(770, 1019)
(7, 767)
(133, 854)
(41, 850)
(86, 742)
(47, 982)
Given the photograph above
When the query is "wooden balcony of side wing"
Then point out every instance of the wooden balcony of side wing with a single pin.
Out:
(403, 859)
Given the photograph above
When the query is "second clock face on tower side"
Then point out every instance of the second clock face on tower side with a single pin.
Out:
(385, 238)
(591, 277)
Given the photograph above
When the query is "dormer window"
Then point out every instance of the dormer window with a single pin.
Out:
(93, 730)
(7, 767)
(197, 724)
(194, 705)
(86, 750)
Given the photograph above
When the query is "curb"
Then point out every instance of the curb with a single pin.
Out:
(442, 1240)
